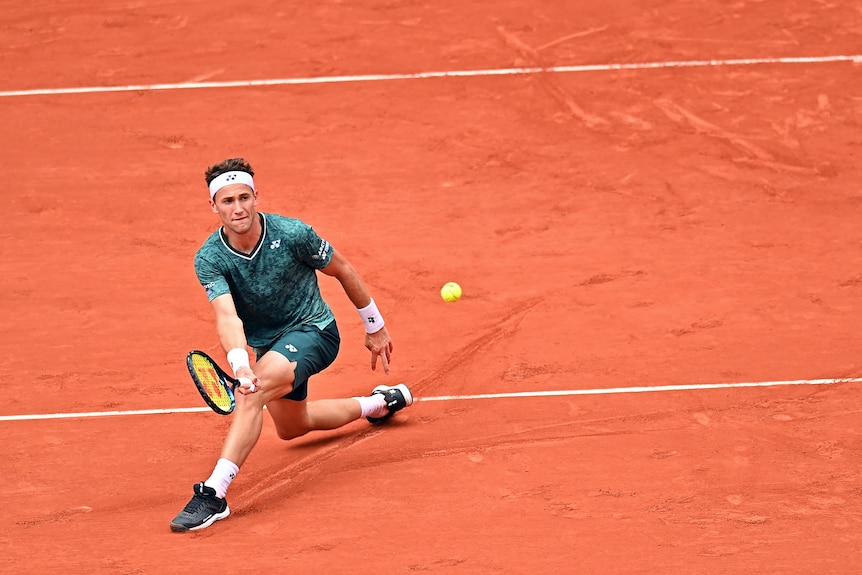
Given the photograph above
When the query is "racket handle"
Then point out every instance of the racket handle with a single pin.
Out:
(248, 382)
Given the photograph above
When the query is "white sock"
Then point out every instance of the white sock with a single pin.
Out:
(373, 405)
(224, 472)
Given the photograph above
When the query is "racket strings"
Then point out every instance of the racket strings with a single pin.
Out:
(210, 382)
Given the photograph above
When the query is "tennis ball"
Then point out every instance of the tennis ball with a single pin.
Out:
(451, 292)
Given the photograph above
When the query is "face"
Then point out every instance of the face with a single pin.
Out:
(235, 206)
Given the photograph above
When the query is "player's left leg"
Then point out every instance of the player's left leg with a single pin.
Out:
(309, 351)
(296, 418)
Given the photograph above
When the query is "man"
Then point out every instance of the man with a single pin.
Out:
(259, 271)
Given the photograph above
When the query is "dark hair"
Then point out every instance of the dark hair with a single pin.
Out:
(231, 165)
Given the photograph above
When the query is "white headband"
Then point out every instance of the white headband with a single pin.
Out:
(229, 178)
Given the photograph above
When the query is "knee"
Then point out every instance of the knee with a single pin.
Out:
(250, 402)
(292, 432)
(291, 426)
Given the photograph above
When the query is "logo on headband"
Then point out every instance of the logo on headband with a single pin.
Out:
(229, 178)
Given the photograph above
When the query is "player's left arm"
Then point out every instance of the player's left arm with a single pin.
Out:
(378, 342)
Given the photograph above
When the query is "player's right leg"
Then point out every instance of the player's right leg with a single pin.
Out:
(201, 511)
(209, 503)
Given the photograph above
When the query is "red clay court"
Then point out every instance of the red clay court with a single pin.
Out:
(641, 200)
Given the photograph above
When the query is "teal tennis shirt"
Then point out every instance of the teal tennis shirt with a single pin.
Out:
(274, 287)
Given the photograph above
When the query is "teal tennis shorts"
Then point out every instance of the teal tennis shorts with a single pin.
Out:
(312, 349)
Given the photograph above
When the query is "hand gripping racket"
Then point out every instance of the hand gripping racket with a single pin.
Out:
(213, 383)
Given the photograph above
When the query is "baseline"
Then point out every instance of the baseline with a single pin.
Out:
(856, 59)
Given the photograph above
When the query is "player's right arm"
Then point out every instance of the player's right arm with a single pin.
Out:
(231, 334)
(228, 324)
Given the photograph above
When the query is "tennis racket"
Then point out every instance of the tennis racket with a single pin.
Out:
(213, 383)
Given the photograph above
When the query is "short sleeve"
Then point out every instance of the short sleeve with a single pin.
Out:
(311, 249)
(211, 278)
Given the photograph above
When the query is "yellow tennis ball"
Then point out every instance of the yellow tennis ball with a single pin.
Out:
(451, 292)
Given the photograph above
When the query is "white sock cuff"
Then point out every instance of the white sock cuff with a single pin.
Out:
(228, 466)
(224, 472)
(370, 403)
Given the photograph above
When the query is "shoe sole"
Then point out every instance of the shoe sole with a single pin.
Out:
(177, 528)
(405, 391)
(408, 400)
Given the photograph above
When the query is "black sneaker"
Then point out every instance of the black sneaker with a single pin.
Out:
(202, 511)
(397, 398)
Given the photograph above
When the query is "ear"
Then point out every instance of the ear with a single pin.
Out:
(213, 207)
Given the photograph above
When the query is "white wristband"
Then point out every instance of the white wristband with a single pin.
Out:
(237, 358)
(371, 318)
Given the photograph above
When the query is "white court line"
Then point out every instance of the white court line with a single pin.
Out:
(607, 391)
(99, 414)
(857, 59)
(613, 390)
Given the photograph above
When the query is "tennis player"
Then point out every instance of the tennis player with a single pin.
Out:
(259, 271)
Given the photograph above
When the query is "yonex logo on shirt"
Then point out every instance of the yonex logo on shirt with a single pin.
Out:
(275, 244)
(290, 348)
(209, 288)
(322, 252)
